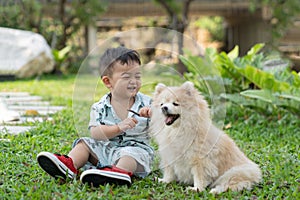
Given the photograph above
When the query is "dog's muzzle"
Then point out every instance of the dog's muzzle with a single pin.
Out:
(170, 118)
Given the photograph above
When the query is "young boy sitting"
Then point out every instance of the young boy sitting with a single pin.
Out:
(118, 147)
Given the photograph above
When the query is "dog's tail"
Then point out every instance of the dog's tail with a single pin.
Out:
(237, 178)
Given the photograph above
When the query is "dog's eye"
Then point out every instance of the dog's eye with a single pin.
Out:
(161, 104)
(175, 104)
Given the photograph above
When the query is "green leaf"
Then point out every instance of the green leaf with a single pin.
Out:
(61, 55)
(296, 79)
(63, 52)
(263, 80)
(226, 66)
(211, 53)
(198, 65)
(234, 53)
(289, 96)
(255, 49)
(263, 95)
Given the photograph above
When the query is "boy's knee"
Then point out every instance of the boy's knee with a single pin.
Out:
(127, 163)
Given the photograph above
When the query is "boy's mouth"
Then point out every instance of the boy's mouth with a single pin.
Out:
(132, 89)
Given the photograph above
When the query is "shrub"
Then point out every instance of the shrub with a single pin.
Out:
(248, 84)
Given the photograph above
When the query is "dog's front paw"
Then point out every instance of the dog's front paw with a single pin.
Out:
(162, 180)
(195, 189)
(156, 179)
(217, 190)
(214, 191)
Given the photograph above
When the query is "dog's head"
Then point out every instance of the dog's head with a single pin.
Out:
(177, 103)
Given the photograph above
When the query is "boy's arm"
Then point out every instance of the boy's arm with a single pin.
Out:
(105, 132)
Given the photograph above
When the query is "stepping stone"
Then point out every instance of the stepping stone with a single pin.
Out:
(29, 103)
(26, 109)
(14, 129)
(38, 112)
(7, 115)
(13, 94)
(37, 108)
(29, 120)
(22, 98)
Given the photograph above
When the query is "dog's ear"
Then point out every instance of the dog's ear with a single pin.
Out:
(188, 87)
(159, 88)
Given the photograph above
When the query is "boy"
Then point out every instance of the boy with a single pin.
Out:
(119, 144)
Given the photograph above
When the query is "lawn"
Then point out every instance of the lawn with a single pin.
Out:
(273, 144)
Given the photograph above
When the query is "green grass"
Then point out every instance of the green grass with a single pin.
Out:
(273, 145)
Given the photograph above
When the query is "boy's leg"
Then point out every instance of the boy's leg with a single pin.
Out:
(61, 165)
(80, 154)
(127, 163)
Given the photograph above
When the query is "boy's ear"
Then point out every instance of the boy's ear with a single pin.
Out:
(106, 81)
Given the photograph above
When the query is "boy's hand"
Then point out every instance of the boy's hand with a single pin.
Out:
(145, 112)
(127, 123)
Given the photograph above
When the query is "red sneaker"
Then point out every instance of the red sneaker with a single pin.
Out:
(108, 174)
(57, 165)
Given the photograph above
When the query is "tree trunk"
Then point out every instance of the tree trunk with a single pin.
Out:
(179, 22)
(62, 42)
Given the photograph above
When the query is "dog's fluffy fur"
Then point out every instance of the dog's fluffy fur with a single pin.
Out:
(192, 150)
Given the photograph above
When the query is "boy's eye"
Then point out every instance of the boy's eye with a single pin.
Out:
(126, 77)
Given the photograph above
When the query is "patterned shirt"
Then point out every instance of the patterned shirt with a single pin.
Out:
(102, 113)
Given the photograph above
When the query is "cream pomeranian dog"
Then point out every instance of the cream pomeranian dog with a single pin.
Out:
(192, 150)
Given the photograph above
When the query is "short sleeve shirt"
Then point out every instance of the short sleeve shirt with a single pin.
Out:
(102, 113)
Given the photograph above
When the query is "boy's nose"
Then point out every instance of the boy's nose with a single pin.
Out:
(132, 81)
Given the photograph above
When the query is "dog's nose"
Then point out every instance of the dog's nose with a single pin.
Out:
(164, 109)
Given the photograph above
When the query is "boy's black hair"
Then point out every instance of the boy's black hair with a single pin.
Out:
(112, 55)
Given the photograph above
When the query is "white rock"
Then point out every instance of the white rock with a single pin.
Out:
(24, 53)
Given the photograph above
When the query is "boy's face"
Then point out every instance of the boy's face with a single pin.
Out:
(125, 81)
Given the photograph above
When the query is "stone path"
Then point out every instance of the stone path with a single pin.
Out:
(28, 109)
(14, 129)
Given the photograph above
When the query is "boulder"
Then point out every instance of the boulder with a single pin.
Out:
(24, 53)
